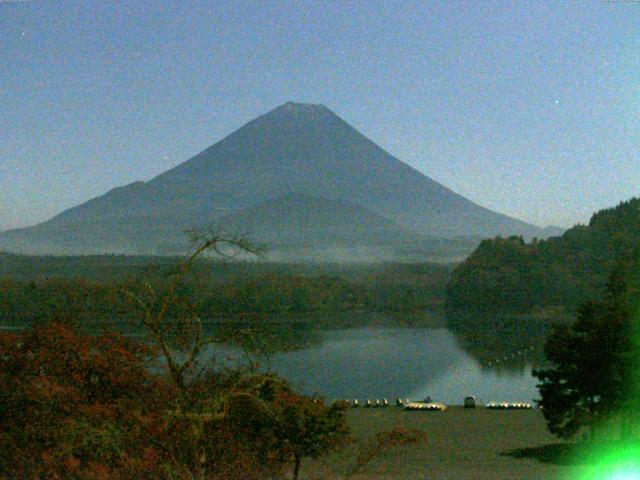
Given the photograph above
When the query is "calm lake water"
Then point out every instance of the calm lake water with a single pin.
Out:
(388, 362)
(381, 361)
(399, 362)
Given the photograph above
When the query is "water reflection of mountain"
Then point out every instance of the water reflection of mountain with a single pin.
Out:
(501, 342)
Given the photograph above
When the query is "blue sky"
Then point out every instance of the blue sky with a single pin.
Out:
(528, 108)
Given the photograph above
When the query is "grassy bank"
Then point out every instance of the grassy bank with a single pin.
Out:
(459, 444)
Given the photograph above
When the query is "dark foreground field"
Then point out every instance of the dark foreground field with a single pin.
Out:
(459, 444)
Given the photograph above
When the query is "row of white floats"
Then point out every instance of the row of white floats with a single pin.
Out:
(429, 405)
(438, 407)
(376, 403)
(508, 406)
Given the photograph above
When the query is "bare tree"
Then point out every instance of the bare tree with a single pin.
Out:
(173, 325)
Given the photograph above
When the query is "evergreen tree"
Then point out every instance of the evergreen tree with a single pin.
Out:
(595, 373)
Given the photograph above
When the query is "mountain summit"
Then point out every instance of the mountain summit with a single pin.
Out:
(296, 151)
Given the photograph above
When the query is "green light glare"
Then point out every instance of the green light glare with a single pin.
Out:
(613, 457)
(624, 475)
(621, 462)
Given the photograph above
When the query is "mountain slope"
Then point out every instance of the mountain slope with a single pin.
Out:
(296, 148)
(302, 220)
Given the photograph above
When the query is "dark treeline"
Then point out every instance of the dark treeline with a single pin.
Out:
(545, 277)
(90, 288)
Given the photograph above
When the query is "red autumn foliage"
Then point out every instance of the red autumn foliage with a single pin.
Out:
(273, 428)
(74, 405)
(88, 407)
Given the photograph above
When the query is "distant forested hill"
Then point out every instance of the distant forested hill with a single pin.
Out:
(89, 289)
(507, 275)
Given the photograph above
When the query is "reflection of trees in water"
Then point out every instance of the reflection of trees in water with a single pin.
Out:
(501, 342)
(270, 334)
(265, 338)
(277, 334)
(497, 342)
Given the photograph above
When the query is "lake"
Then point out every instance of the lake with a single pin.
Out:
(369, 356)
(379, 362)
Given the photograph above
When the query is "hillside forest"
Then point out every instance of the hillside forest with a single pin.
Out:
(545, 278)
